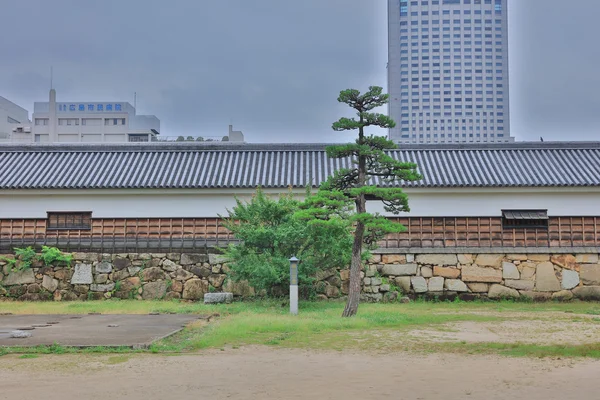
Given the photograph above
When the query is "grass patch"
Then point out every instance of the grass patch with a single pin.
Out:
(25, 356)
(527, 350)
(379, 327)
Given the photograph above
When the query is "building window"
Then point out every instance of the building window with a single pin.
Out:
(525, 219)
(69, 220)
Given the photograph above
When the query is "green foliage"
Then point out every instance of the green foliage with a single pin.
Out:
(271, 231)
(25, 257)
(52, 255)
(354, 186)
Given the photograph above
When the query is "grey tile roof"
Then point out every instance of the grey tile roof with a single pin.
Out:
(283, 165)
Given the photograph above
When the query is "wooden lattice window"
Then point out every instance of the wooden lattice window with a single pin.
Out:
(525, 219)
(69, 220)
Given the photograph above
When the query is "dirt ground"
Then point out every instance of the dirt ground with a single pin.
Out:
(266, 373)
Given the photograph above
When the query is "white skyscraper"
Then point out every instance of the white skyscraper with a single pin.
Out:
(448, 71)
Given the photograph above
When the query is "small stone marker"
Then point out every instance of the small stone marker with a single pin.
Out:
(20, 334)
(218, 298)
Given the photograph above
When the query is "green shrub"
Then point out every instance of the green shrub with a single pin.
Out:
(52, 255)
(271, 232)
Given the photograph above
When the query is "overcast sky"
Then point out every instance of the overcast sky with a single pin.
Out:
(274, 68)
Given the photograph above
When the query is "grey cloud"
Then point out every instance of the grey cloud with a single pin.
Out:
(274, 67)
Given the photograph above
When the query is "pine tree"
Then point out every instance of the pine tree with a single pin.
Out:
(356, 185)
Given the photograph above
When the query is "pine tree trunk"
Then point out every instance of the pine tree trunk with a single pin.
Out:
(355, 267)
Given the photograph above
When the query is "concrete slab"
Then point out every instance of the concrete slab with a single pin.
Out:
(87, 330)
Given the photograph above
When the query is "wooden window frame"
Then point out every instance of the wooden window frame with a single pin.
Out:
(69, 220)
(522, 224)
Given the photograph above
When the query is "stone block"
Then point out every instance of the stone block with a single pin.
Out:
(489, 260)
(403, 283)
(563, 295)
(502, 292)
(23, 277)
(375, 281)
(371, 271)
(545, 278)
(193, 259)
(375, 259)
(154, 274)
(332, 291)
(456, 285)
(567, 261)
(333, 281)
(446, 272)
(510, 271)
(410, 258)
(177, 286)
(217, 259)
(202, 272)
(586, 258)
(570, 279)
(399, 270)
(437, 259)
(590, 274)
(102, 278)
(426, 272)
(419, 284)
(241, 288)
(384, 288)
(436, 284)
(345, 274)
(516, 257)
(527, 271)
(475, 273)
(393, 259)
(104, 268)
(465, 259)
(323, 274)
(194, 289)
(130, 284)
(34, 288)
(587, 292)
(183, 275)
(121, 263)
(86, 257)
(62, 274)
(102, 288)
(519, 284)
(154, 290)
(82, 275)
(536, 296)
(218, 298)
(217, 280)
(538, 257)
(170, 266)
(119, 275)
(367, 281)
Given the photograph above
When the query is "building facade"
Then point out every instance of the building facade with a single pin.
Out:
(486, 220)
(88, 122)
(448, 71)
(12, 118)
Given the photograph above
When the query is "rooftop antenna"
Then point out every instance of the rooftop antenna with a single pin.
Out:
(135, 100)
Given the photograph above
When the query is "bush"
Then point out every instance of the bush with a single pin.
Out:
(271, 232)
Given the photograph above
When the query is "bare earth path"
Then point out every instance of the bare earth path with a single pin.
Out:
(266, 373)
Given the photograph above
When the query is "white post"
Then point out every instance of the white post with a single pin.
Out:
(294, 299)
(294, 286)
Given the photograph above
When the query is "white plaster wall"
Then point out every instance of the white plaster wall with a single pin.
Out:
(210, 203)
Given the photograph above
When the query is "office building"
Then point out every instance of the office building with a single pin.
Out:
(12, 118)
(90, 121)
(448, 71)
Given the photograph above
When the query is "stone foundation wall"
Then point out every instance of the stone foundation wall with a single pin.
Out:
(94, 276)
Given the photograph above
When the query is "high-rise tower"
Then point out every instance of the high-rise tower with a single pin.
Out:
(448, 71)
